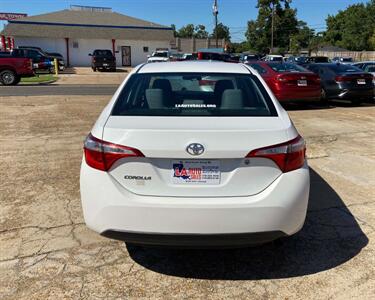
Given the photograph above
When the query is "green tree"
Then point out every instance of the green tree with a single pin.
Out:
(301, 39)
(353, 27)
(200, 32)
(186, 31)
(222, 32)
(285, 23)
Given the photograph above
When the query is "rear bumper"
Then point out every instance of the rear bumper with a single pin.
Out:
(313, 95)
(114, 211)
(109, 65)
(354, 94)
(195, 240)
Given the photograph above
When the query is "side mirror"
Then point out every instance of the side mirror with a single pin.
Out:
(90, 54)
(117, 51)
(148, 56)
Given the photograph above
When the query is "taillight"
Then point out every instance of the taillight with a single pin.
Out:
(343, 78)
(288, 156)
(102, 155)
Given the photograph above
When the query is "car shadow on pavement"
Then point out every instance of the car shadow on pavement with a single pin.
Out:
(330, 237)
(318, 105)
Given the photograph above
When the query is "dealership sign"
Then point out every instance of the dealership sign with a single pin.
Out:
(11, 16)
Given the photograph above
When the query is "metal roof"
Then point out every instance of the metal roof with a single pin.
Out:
(87, 24)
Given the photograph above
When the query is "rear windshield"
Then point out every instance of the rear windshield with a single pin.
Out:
(286, 67)
(160, 54)
(340, 68)
(193, 94)
(103, 53)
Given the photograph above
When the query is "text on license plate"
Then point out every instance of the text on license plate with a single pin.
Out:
(302, 82)
(105, 65)
(203, 172)
(361, 81)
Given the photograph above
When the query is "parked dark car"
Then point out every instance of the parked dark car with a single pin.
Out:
(318, 59)
(13, 68)
(219, 56)
(342, 81)
(102, 59)
(289, 82)
(60, 59)
(367, 66)
(299, 60)
(51, 56)
(41, 62)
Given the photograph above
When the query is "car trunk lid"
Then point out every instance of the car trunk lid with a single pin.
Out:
(223, 164)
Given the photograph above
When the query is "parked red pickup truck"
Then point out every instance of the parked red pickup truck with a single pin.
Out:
(13, 68)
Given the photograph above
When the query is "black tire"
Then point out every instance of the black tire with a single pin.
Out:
(112, 69)
(18, 79)
(356, 102)
(8, 77)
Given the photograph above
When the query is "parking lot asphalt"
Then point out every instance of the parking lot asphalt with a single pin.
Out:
(56, 89)
(46, 251)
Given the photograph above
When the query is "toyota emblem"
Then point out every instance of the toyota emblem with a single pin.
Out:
(195, 149)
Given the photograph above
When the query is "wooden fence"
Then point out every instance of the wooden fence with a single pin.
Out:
(356, 55)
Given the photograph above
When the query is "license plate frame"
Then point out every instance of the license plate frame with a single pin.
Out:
(196, 172)
(361, 81)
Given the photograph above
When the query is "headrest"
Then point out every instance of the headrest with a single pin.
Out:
(155, 98)
(163, 84)
(232, 99)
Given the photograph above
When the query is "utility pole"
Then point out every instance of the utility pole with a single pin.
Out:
(272, 24)
(216, 12)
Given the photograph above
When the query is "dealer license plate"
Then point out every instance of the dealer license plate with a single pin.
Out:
(201, 172)
(361, 81)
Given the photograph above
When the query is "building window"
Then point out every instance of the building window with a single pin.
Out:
(145, 49)
(75, 44)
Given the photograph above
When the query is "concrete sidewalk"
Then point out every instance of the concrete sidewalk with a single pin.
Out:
(85, 75)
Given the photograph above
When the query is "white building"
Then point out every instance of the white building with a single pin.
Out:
(78, 31)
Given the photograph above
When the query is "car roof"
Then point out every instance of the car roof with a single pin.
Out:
(365, 62)
(201, 66)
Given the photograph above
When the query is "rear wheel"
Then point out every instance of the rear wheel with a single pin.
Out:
(8, 77)
(356, 101)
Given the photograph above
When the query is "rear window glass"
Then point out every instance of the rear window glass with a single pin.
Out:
(259, 68)
(193, 94)
(160, 54)
(340, 68)
(103, 53)
(281, 68)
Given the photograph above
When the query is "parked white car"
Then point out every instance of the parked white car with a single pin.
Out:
(159, 56)
(168, 162)
(274, 58)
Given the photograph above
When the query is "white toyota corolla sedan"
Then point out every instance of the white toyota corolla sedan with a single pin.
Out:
(194, 154)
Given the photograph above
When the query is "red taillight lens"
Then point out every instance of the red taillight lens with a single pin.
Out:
(343, 78)
(288, 156)
(102, 155)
